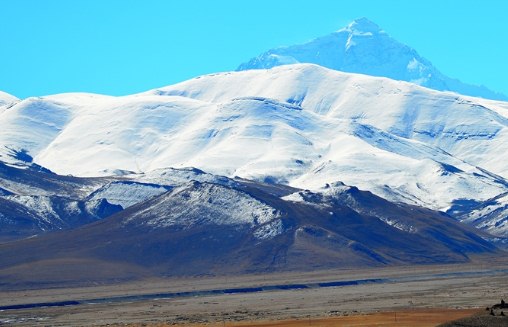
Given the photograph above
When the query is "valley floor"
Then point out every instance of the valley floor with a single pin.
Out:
(425, 294)
(400, 318)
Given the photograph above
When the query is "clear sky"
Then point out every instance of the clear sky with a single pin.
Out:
(122, 47)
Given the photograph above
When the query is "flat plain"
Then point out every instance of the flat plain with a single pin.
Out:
(395, 296)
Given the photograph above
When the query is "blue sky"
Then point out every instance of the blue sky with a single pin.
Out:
(122, 47)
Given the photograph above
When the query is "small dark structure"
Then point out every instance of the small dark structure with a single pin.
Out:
(501, 305)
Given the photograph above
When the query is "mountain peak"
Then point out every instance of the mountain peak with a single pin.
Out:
(362, 25)
(363, 47)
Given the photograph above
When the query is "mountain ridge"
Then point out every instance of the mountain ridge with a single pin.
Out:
(199, 223)
(302, 125)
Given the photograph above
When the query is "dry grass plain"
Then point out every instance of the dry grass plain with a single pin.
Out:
(401, 318)
(412, 296)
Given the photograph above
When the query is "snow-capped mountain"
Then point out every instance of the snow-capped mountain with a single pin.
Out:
(35, 201)
(216, 225)
(363, 47)
(401, 141)
(301, 125)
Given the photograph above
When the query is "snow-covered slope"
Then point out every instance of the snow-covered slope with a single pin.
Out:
(35, 201)
(6, 100)
(303, 125)
(193, 204)
(490, 215)
(393, 138)
(34, 123)
(363, 47)
(127, 193)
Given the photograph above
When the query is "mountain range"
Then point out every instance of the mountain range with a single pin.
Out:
(295, 167)
(180, 222)
(301, 125)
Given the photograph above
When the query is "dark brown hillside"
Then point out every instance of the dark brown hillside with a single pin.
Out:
(202, 229)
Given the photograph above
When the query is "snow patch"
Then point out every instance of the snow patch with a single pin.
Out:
(127, 193)
(270, 230)
(206, 203)
(399, 225)
(42, 205)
